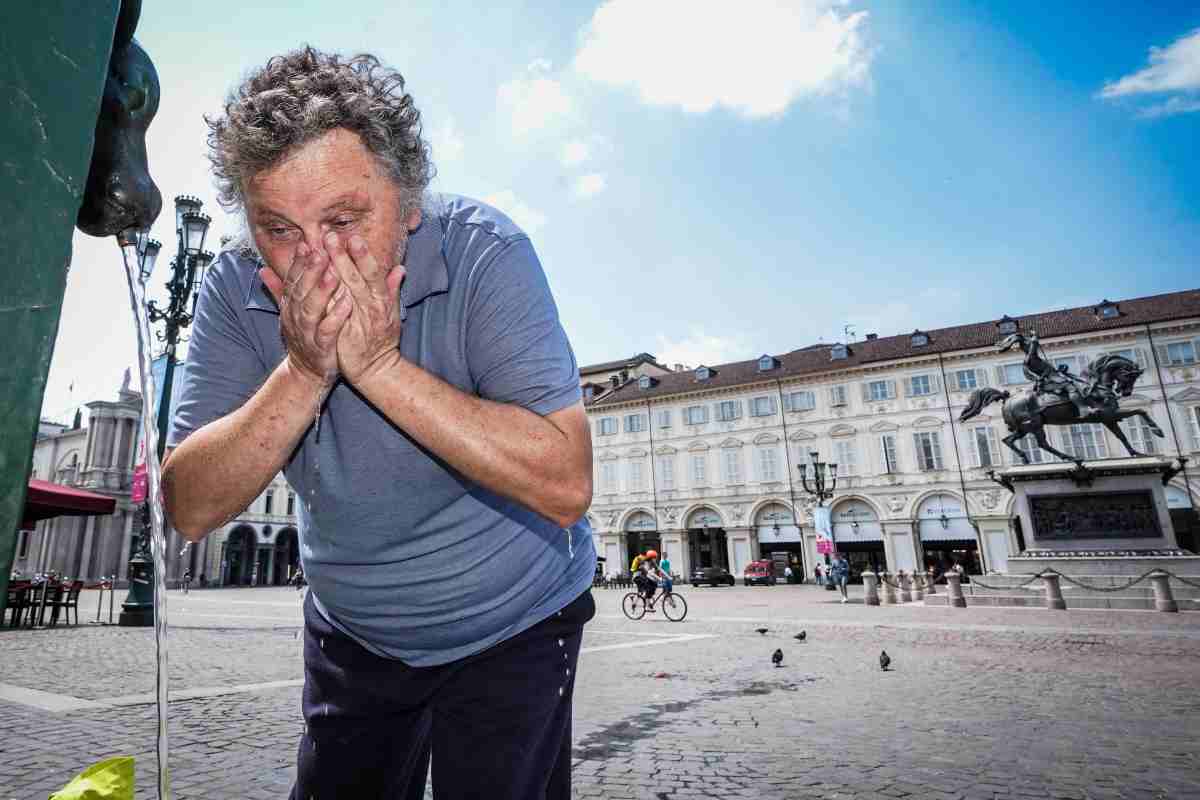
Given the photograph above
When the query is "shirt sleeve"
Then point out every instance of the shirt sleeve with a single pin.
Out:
(223, 368)
(517, 350)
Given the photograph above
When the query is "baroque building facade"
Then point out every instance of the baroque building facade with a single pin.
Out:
(703, 464)
(259, 546)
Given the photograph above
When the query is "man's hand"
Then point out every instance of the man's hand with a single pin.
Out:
(310, 316)
(371, 335)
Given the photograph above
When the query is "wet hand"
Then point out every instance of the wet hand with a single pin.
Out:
(371, 335)
(310, 314)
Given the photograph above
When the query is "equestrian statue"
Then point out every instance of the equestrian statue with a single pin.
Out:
(1060, 398)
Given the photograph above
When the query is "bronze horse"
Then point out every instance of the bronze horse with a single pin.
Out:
(1109, 378)
(120, 194)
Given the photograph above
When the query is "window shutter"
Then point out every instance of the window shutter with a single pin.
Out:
(771, 406)
(937, 449)
(908, 387)
(866, 391)
(981, 378)
(935, 383)
(891, 390)
(833, 400)
(920, 453)
(737, 409)
(1163, 358)
(973, 446)
(1000, 375)
(787, 402)
(703, 414)
(1139, 355)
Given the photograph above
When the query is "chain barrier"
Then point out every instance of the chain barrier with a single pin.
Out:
(1084, 585)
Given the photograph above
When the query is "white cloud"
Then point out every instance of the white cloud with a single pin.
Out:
(698, 347)
(529, 219)
(1172, 69)
(757, 59)
(589, 185)
(446, 141)
(535, 101)
(575, 153)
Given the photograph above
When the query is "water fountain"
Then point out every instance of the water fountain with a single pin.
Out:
(79, 93)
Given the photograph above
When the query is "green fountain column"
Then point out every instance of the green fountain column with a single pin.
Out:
(54, 56)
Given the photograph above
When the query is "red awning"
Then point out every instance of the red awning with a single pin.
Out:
(45, 500)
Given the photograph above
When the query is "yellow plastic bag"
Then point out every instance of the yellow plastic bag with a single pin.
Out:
(110, 779)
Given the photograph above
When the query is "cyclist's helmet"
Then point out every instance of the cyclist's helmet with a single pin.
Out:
(651, 554)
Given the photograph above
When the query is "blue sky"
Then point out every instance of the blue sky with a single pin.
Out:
(708, 186)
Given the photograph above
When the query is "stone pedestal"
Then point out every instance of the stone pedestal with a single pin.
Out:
(871, 588)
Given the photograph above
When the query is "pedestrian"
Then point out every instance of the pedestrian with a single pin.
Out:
(203, 581)
(398, 354)
(840, 574)
(787, 573)
(819, 573)
(186, 582)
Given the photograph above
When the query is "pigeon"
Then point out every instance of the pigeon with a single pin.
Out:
(884, 660)
(777, 658)
(801, 636)
(762, 631)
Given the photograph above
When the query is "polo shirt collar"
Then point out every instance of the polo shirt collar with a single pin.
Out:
(425, 262)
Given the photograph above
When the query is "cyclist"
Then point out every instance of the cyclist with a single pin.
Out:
(647, 577)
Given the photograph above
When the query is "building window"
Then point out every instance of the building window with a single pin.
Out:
(966, 380)
(729, 410)
(269, 501)
(607, 426)
(589, 393)
(1083, 442)
(846, 457)
(608, 477)
(637, 476)
(645, 382)
(984, 452)
(799, 401)
(699, 469)
(920, 339)
(696, 415)
(1012, 373)
(703, 373)
(1139, 435)
(1027, 444)
(664, 418)
(291, 504)
(837, 395)
(666, 472)
(929, 450)
(1007, 325)
(887, 453)
(635, 423)
(23, 547)
(1194, 419)
(762, 406)
(838, 352)
(732, 458)
(766, 363)
(768, 464)
(880, 390)
(920, 385)
(1181, 353)
(1107, 310)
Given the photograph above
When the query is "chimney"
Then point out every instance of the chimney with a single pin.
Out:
(872, 337)
(680, 368)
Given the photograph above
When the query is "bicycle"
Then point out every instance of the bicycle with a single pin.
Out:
(674, 607)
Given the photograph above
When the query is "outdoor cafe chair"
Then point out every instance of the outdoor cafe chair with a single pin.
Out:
(19, 601)
(66, 598)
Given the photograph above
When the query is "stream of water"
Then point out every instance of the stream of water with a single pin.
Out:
(158, 542)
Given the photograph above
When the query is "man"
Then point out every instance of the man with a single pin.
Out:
(399, 356)
(186, 582)
(841, 575)
(1057, 381)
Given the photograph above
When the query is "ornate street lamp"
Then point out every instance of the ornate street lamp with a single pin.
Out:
(824, 481)
(187, 274)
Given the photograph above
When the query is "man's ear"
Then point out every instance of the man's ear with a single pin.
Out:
(413, 220)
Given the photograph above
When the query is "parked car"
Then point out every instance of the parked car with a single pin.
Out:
(713, 576)
(759, 572)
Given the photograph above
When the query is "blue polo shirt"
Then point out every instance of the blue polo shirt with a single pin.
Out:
(402, 553)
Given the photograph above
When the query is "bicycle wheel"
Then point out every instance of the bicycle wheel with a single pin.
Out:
(634, 605)
(674, 607)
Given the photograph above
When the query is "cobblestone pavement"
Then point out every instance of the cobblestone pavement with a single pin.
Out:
(981, 702)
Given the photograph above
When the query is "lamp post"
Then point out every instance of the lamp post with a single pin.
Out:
(824, 481)
(187, 274)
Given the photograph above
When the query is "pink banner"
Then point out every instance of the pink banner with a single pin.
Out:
(140, 483)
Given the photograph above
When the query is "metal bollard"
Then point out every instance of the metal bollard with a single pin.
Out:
(918, 582)
(871, 584)
(1163, 599)
(905, 587)
(889, 591)
(954, 589)
(1054, 598)
(929, 588)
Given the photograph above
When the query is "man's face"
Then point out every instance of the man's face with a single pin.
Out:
(332, 183)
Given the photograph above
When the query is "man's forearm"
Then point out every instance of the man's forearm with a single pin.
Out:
(512, 451)
(219, 470)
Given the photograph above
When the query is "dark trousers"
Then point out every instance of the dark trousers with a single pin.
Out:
(495, 725)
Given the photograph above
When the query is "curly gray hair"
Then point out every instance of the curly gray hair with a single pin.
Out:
(297, 97)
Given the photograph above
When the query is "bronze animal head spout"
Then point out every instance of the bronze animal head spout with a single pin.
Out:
(120, 193)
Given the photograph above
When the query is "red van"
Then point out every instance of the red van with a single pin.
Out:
(759, 572)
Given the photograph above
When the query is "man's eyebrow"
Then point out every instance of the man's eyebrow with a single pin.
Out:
(351, 200)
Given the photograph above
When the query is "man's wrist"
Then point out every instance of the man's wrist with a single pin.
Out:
(384, 365)
(306, 379)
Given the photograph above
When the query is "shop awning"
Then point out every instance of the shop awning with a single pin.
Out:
(45, 500)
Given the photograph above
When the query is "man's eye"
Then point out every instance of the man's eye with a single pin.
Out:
(279, 232)
(343, 223)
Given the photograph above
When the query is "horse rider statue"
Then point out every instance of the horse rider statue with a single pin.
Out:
(1060, 398)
